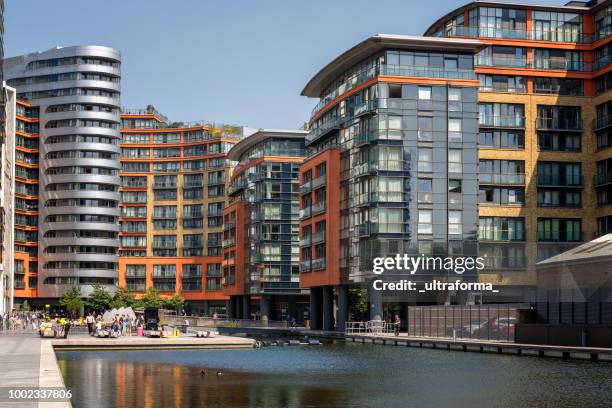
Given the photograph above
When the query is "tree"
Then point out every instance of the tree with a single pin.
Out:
(123, 298)
(72, 300)
(99, 300)
(359, 303)
(175, 302)
(151, 298)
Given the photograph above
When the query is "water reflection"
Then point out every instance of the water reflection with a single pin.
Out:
(329, 376)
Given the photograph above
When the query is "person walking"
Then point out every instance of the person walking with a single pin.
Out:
(396, 325)
(90, 324)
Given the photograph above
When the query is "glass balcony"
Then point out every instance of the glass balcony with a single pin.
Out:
(228, 242)
(318, 237)
(304, 213)
(319, 181)
(559, 180)
(570, 124)
(318, 207)
(501, 61)
(318, 264)
(501, 121)
(492, 32)
(514, 179)
(602, 121)
(427, 72)
(305, 266)
(164, 184)
(602, 179)
(238, 185)
(306, 187)
(306, 240)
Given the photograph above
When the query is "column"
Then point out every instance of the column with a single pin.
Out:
(376, 304)
(315, 308)
(343, 307)
(206, 308)
(239, 307)
(231, 307)
(265, 307)
(328, 308)
(246, 307)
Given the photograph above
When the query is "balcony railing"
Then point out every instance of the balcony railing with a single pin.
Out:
(319, 181)
(602, 179)
(492, 32)
(228, 242)
(318, 264)
(318, 237)
(318, 207)
(306, 187)
(304, 212)
(602, 121)
(515, 179)
(306, 240)
(501, 121)
(305, 266)
(559, 180)
(559, 124)
(164, 184)
(427, 72)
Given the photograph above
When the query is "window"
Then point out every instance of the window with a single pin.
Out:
(425, 160)
(425, 222)
(454, 223)
(454, 130)
(395, 91)
(425, 128)
(454, 186)
(424, 93)
(454, 161)
(425, 190)
(559, 229)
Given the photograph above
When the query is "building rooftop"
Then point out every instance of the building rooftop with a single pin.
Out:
(571, 6)
(259, 136)
(379, 42)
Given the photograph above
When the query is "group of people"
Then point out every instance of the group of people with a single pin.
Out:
(121, 325)
(57, 327)
(21, 320)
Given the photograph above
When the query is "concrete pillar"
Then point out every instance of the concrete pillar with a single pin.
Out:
(206, 308)
(315, 308)
(231, 307)
(265, 307)
(343, 307)
(246, 307)
(404, 316)
(328, 308)
(376, 304)
(239, 307)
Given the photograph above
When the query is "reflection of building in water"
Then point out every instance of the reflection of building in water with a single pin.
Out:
(156, 385)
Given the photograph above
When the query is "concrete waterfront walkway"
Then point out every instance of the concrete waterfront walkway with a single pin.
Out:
(26, 361)
(482, 346)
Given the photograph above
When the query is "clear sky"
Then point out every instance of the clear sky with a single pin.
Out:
(242, 62)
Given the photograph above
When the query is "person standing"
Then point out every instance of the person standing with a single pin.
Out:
(396, 325)
(90, 323)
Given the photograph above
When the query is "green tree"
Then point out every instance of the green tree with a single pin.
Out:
(151, 298)
(72, 300)
(175, 302)
(123, 298)
(359, 304)
(99, 300)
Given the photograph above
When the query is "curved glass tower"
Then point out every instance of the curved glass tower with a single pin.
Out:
(77, 90)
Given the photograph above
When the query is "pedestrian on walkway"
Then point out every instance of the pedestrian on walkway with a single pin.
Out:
(90, 324)
(396, 325)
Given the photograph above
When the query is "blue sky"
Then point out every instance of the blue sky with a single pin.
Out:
(243, 62)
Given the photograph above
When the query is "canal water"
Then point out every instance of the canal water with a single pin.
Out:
(331, 375)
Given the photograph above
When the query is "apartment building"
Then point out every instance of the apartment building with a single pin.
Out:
(76, 90)
(261, 228)
(393, 166)
(543, 144)
(174, 182)
(431, 150)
